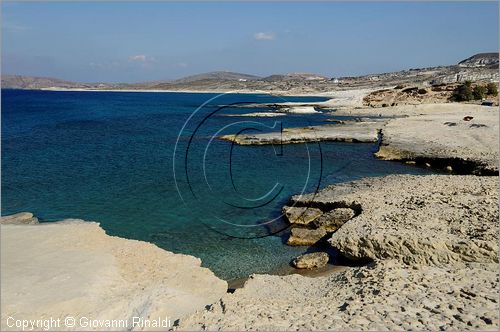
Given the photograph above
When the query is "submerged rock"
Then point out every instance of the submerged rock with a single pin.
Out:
(311, 261)
(333, 220)
(19, 218)
(305, 237)
(301, 215)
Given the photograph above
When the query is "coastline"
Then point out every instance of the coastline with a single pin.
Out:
(309, 166)
(448, 269)
(72, 267)
(411, 245)
(328, 270)
(411, 262)
(242, 91)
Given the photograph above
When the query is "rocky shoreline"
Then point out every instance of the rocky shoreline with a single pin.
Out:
(73, 268)
(429, 244)
(462, 138)
(432, 243)
(362, 132)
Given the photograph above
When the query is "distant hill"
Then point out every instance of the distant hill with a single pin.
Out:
(216, 76)
(36, 82)
(483, 66)
(481, 60)
(295, 76)
(30, 82)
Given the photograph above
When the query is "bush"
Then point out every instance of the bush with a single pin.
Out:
(479, 92)
(462, 92)
(492, 89)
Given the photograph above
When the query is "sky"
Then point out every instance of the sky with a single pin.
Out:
(133, 42)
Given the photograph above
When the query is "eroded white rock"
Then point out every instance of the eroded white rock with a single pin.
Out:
(72, 268)
(19, 218)
(436, 219)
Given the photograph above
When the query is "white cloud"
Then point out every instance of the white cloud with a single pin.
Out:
(142, 60)
(138, 58)
(264, 36)
(182, 64)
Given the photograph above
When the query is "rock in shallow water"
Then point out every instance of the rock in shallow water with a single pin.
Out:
(311, 261)
(305, 237)
(301, 215)
(333, 220)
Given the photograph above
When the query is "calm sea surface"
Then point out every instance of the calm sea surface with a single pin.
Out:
(147, 166)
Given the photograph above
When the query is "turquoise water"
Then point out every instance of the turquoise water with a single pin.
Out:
(147, 167)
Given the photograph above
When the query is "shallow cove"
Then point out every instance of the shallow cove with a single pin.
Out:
(108, 157)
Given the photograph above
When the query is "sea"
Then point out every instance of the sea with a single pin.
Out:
(150, 166)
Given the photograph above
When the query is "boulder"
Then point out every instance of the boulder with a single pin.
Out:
(333, 220)
(19, 218)
(305, 237)
(311, 261)
(301, 215)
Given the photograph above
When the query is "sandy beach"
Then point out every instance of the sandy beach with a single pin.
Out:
(220, 91)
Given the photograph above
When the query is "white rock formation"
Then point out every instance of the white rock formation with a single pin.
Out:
(434, 242)
(19, 218)
(445, 135)
(72, 268)
(387, 295)
(436, 219)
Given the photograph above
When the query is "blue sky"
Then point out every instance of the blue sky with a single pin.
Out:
(130, 42)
